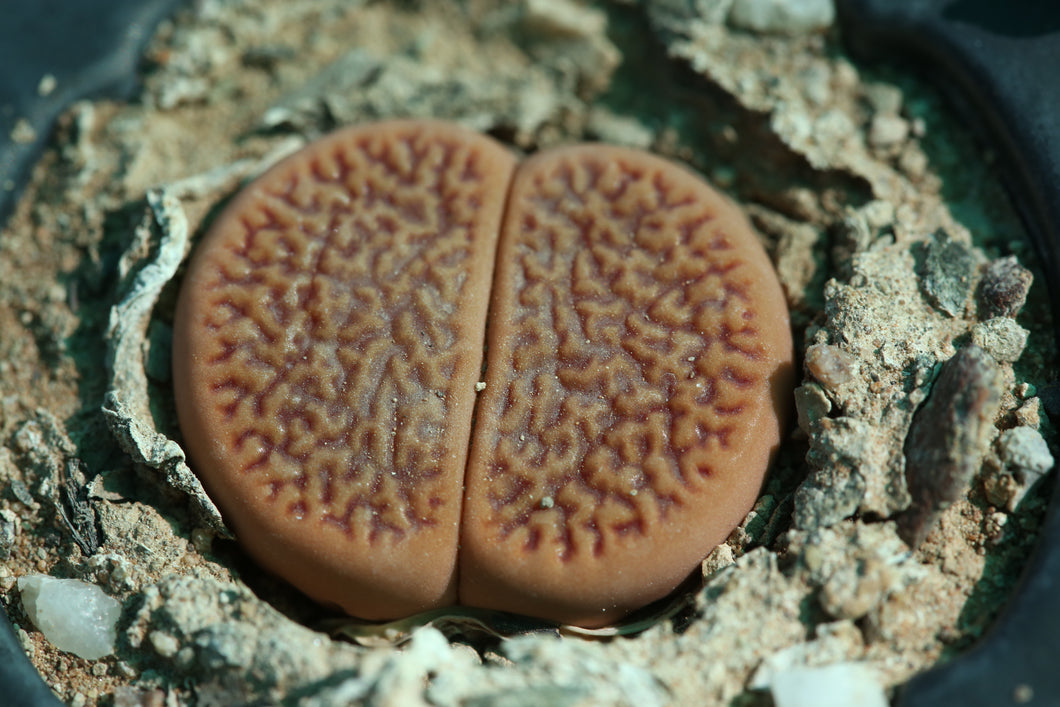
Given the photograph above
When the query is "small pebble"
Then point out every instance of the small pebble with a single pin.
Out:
(913, 162)
(994, 526)
(878, 213)
(164, 643)
(830, 365)
(8, 533)
(1024, 449)
(126, 696)
(1026, 390)
(22, 133)
(719, 558)
(202, 539)
(811, 404)
(884, 98)
(947, 271)
(887, 130)
(561, 19)
(1003, 490)
(618, 129)
(788, 17)
(816, 83)
(185, 657)
(1029, 414)
(946, 439)
(1003, 289)
(46, 85)
(1001, 337)
(840, 449)
(855, 588)
(74, 616)
(836, 685)
(21, 492)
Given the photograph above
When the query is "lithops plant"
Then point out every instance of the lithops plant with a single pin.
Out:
(629, 413)
(328, 340)
(329, 343)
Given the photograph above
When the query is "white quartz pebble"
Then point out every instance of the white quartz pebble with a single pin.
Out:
(791, 17)
(74, 616)
(837, 685)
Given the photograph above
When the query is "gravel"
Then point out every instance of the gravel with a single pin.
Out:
(73, 615)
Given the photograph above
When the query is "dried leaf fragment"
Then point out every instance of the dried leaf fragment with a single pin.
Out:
(148, 264)
(947, 438)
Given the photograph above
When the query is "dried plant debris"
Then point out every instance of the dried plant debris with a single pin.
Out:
(158, 246)
(947, 438)
(927, 354)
